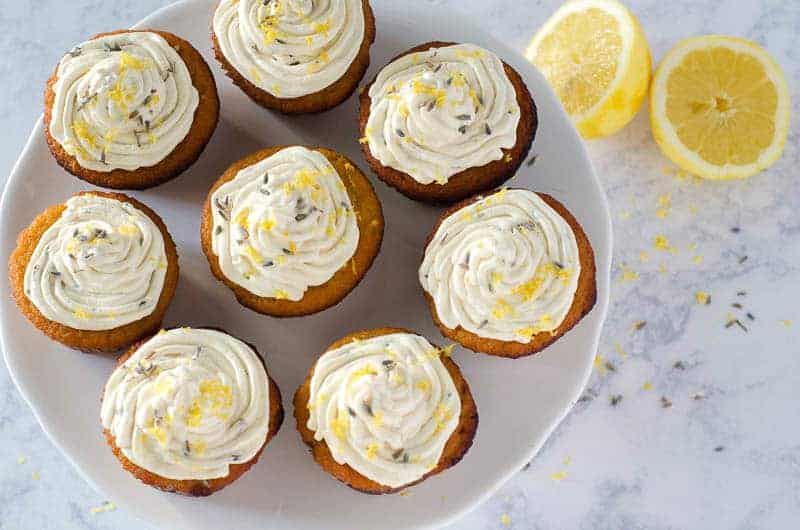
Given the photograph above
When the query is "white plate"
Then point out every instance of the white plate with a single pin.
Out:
(520, 402)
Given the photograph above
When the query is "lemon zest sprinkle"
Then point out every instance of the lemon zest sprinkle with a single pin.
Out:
(105, 507)
(421, 88)
(599, 364)
(241, 217)
(280, 294)
(254, 254)
(527, 290)
(267, 224)
(322, 27)
(83, 131)
(474, 54)
(127, 60)
(502, 309)
(628, 274)
(339, 426)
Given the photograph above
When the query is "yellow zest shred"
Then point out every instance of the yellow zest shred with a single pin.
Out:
(628, 274)
(660, 242)
(339, 426)
(105, 507)
(280, 294)
(502, 309)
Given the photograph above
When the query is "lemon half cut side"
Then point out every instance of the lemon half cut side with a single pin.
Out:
(719, 107)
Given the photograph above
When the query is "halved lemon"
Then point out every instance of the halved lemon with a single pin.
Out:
(719, 107)
(596, 58)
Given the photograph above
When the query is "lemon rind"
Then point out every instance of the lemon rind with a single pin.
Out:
(630, 31)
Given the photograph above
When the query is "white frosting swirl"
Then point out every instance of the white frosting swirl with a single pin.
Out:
(438, 112)
(385, 406)
(100, 266)
(283, 224)
(290, 48)
(505, 267)
(188, 403)
(122, 101)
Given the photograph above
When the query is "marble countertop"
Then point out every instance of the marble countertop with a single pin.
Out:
(685, 423)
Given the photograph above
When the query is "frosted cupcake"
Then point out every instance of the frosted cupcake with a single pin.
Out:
(96, 273)
(384, 409)
(294, 56)
(443, 121)
(130, 109)
(291, 230)
(190, 410)
(508, 274)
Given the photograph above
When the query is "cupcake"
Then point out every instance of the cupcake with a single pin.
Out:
(384, 409)
(96, 273)
(130, 109)
(190, 410)
(291, 230)
(294, 56)
(508, 274)
(444, 121)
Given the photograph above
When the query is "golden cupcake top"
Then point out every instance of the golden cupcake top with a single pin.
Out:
(122, 101)
(504, 267)
(290, 48)
(438, 112)
(102, 264)
(188, 403)
(385, 406)
(283, 224)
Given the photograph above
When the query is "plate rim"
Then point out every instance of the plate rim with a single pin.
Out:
(603, 272)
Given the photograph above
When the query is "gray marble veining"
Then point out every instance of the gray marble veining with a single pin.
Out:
(706, 432)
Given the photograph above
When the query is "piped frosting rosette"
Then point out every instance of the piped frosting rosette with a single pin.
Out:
(283, 224)
(122, 101)
(385, 406)
(188, 403)
(100, 265)
(441, 111)
(290, 48)
(505, 267)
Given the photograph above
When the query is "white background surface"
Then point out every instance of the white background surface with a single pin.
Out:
(633, 465)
